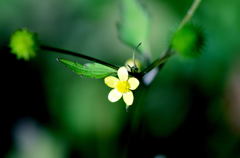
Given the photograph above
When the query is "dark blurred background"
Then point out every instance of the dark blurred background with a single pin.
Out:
(192, 109)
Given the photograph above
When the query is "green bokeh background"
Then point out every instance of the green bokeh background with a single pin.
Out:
(82, 117)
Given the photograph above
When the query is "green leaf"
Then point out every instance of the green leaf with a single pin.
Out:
(133, 27)
(92, 70)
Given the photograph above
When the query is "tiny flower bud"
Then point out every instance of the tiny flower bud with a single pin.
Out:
(132, 65)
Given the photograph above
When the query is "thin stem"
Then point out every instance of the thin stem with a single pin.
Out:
(158, 62)
(189, 13)
(63, 51)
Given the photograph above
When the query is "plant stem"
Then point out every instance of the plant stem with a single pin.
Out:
(63, 51)
(189, 13)
(158, 62)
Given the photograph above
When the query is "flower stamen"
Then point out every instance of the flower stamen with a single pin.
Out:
(123, 86)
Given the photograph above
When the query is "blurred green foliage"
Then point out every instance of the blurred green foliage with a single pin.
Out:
(34, 141)
(80, 107)
(134, 25)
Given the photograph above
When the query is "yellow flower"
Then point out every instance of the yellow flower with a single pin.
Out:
(122, 86)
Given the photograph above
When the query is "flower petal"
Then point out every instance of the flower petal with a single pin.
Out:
(111, 81)
(123, 73)
(133, 82)
(128, 98)
(114, 95)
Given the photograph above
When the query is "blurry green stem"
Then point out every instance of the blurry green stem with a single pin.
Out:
(67, 52)
(158, 62)
(189, 13)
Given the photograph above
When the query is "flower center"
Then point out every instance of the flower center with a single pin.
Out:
(123, 86)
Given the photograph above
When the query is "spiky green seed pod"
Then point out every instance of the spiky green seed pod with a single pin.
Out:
(23, 44)
(188, 41)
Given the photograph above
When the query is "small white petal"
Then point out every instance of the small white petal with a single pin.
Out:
(111, 81)
(114, 95)
(133, 82)
(148, 78)
(128, 98)
(123, 73)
